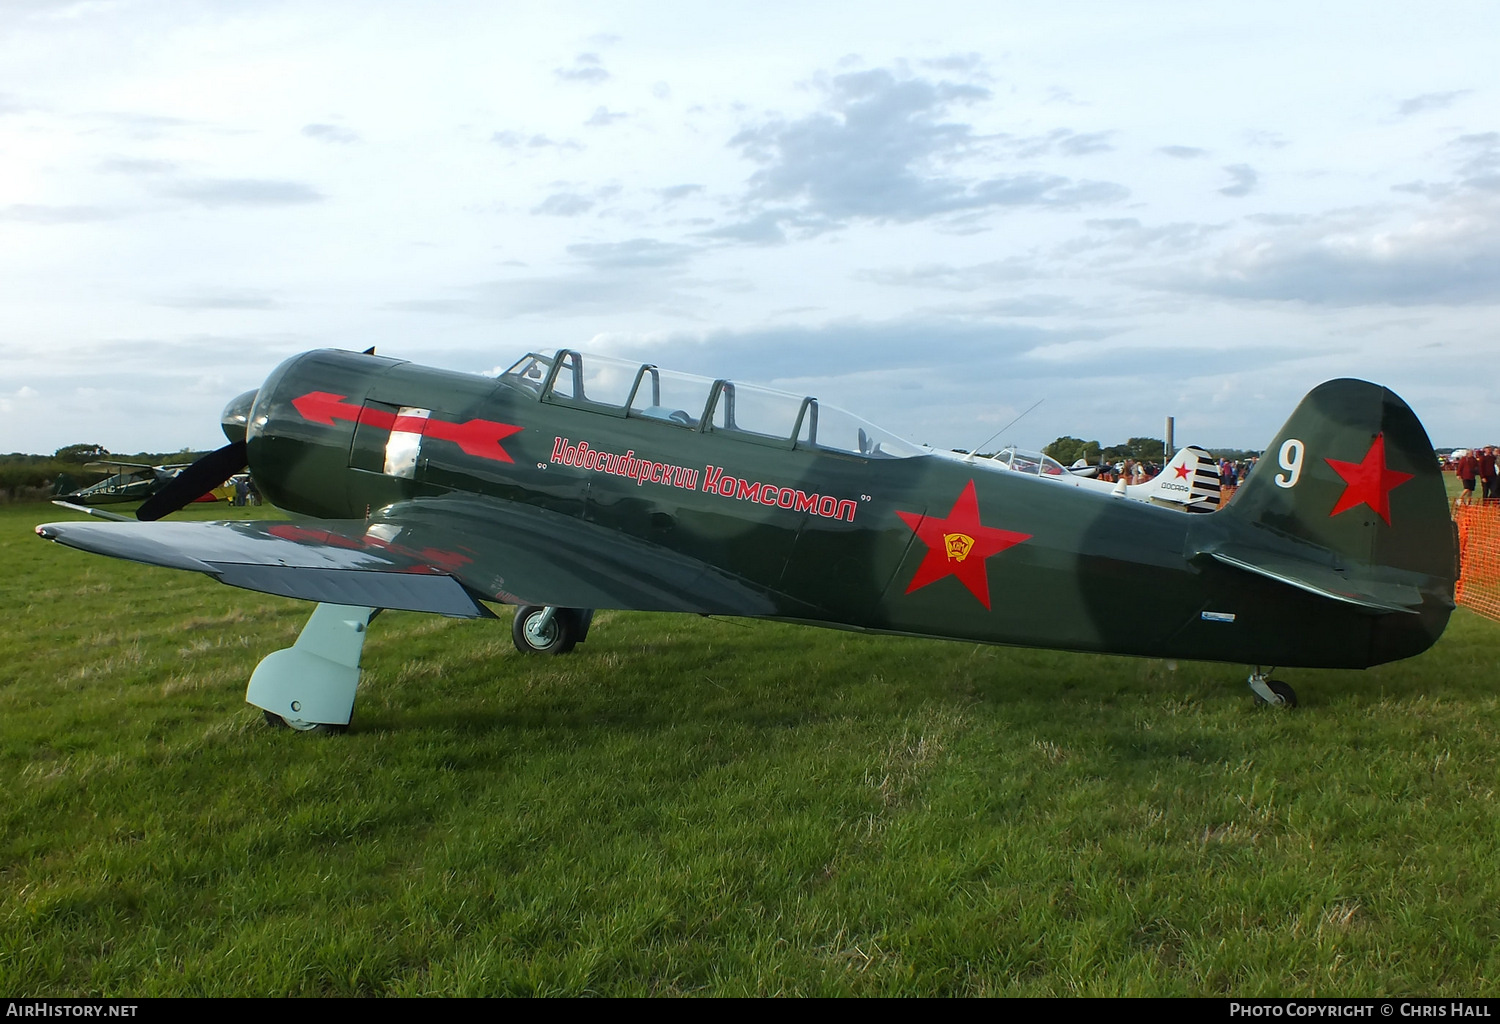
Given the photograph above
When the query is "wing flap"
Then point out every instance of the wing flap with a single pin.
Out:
(521, 554)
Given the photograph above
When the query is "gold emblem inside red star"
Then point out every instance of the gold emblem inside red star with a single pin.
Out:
(1368, 482)
(959, 545)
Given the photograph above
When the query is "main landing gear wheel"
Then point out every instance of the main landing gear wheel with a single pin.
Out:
(1286, 693)
(539, 630)
(297, 725)
(1272, 691)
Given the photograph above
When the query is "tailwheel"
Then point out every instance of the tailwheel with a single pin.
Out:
(297, 725)
(545, 630)
(1272, 691)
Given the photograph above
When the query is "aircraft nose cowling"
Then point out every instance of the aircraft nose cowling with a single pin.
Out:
(236, 417)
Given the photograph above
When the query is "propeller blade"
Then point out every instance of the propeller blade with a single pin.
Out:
(194, 482)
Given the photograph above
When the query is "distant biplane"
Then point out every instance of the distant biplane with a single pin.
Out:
(127, 481)
(570, 483)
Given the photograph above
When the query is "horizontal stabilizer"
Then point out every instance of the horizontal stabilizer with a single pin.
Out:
(1377, 596)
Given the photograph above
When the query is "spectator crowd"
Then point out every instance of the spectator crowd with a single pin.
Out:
(1476, 472)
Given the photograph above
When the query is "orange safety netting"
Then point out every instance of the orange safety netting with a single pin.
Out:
(1478, 558)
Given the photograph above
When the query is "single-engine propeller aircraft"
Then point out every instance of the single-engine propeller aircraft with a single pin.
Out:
(1190, 481)
(570, 483)
(127, 481)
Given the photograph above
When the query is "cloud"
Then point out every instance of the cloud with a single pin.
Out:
(766, 227)
(1429, 101)
(675, 192)
(883, 149)
(587, 68)
(1480, 156)
(32, 213)
(1129, 233)
(12, 105)
(602, 117)
(1064, 141)
(972, 64)
(1280, 220)
(1183, 152)
(1032, 304)
(218, 192)
(220, 298)
(1477, 159)
(1439, 190)
(635, 252)
(953, 380)
(9, 402)
(125, 165)
(564, 204)
(1270, 140)
(1089, 142)
(329, 133)
(1448, 254)
(517, 140)
(605, 277)
(929, 346)
(1245, 179)
(951, 278)
(1444, 252)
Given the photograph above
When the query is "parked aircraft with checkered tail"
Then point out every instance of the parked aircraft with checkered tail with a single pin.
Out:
(1189, 482)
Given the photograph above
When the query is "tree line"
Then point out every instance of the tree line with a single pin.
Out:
(32, 476)
(1069, 450)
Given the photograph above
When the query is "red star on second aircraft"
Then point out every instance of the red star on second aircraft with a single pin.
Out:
(958, 545)
(1368, 482)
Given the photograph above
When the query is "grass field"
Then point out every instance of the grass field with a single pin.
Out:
(719, 807)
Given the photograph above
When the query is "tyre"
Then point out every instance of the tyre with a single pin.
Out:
(328, 729)
(1286, 693)
(557, 637)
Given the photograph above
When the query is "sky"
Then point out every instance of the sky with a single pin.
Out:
(935, 215)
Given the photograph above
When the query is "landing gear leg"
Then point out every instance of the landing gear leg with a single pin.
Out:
(310, 686)
(1271, 691)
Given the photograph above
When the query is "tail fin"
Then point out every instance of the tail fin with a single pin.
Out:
(1190, 480)
(1348, 502)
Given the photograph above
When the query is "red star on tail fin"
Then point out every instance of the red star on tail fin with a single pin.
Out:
(1368, 482)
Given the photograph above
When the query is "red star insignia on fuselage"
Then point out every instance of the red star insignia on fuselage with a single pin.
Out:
(1368, 482)
(1182, 472)
(959, 545)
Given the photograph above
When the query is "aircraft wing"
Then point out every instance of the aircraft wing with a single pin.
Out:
(104, 465)
(442, 555)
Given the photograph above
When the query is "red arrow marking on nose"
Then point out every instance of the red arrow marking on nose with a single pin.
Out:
(322, 407)
(480, 438)
(476, 437)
